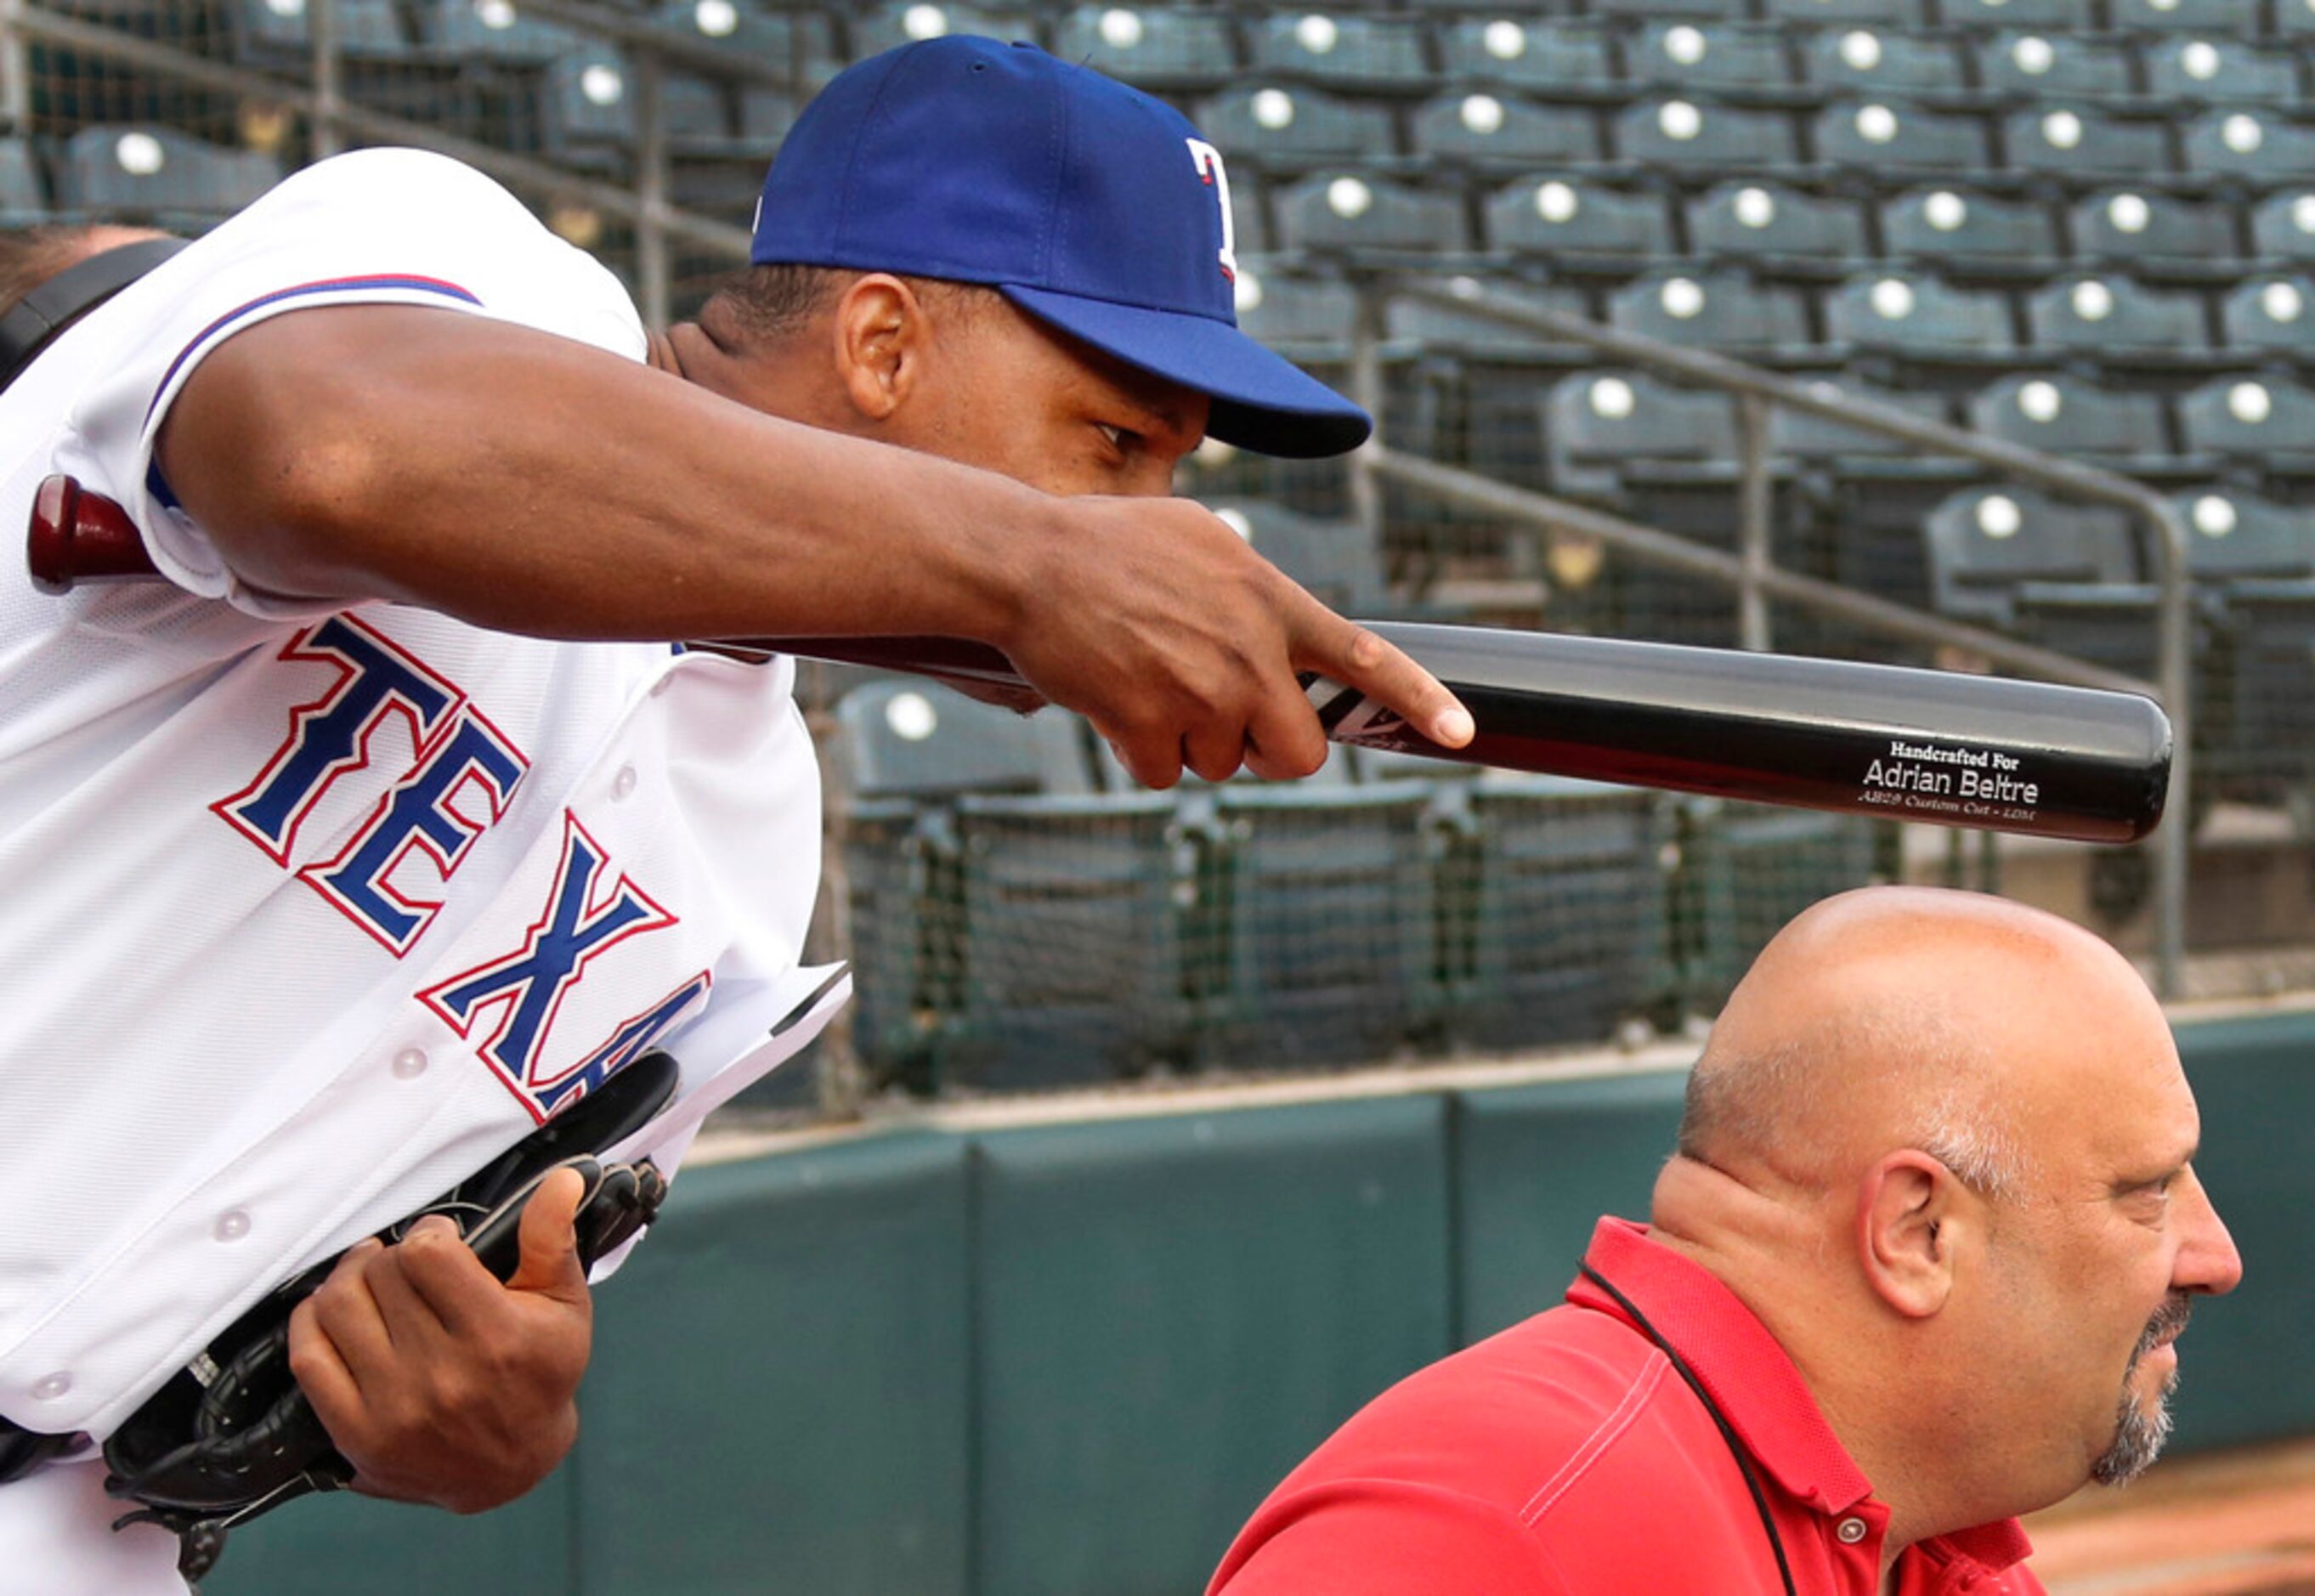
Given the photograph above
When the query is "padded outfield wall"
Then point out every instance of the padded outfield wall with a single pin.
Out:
(1070, 1358)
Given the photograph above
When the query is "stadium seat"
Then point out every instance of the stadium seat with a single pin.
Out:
(2062, 415)
(1309, 320)
(1722, 311)
(1069, 968)
(2237, 536)
(905, 739)
(1682, 133)
(494, 31)
(1969, 234)
(1984, 544)
(1712, 58)
(1863, 61)
(1918, 318)
(1573, 226)
(1163, 48)
(2264, 423)
(802, 42)
(1272, 126)
(126, 171)
(1553, 902)
(1707, 9)
(1349, 50)
(23, 199)
(2205, 70)
(2150, 233)
(273, 33)
(1599, 423)
(2077, 142)
(1549, 57)
(1877, 137)
(1475, 341)
(1894, 14)
(2295, 19)
(1326, 899)
(1810, 439)
(1353, 213)
(1778, 229)
(765, 115)
(2062, 16)
(2271, 316)
(1337, 561)
(2237, 19)
(1484, 128)
(2283, 228)
(1867, 491)
(2108, 318)
(2052, 65)
(2255, 146)
(879, 28)
(588, 107)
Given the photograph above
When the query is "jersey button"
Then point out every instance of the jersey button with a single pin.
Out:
(50, 1387)
(232, 1225)
(409, 1064)
(623, 786)
(1850, 1530)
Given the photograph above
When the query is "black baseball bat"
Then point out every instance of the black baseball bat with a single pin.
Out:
(1945, 747)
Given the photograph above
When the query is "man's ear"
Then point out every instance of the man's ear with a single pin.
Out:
(1913, 1222)
(881, 332)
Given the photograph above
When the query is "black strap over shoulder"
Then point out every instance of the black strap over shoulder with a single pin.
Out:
(71, 294)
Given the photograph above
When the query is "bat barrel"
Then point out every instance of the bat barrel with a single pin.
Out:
(1940, 746)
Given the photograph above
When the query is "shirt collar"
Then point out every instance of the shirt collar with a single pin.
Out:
(1753, 1382)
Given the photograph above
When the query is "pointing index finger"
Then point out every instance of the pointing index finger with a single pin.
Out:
(1348, 653)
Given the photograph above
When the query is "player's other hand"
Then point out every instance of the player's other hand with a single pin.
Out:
(1156, 622)
(437, 1382)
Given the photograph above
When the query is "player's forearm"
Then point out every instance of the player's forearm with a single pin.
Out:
(533, 484)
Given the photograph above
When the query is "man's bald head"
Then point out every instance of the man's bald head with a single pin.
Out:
(1900, 1017)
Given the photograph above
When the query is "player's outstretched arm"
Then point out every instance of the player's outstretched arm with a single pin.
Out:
(535, 485)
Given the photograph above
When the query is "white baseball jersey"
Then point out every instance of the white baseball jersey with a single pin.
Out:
(310, 910)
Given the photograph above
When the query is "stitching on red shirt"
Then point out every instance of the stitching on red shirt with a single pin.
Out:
(1598, 1441)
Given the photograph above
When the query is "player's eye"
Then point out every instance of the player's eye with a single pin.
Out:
(1120, 439)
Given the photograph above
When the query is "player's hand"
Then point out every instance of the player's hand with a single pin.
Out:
(1155, 621)
(437, 1382)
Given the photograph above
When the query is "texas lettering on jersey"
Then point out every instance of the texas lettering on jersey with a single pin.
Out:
(461, 776)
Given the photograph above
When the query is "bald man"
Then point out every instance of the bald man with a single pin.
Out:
(1916, 1269)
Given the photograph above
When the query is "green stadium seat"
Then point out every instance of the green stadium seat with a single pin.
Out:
(1892, 13)
(2195, 70)
(1711, 58)
(2271, 316)
(2059, 16)
(494, 31)
(277, 32)
(2254, 146)
(1309, 320)
(2237, 536)
(24, 196)
(1162, 47)
(879, 28)
(1710, 10)
(1354, 213)
(1878, 137)
(1598, 425)
(2043, 66)
(1552, 911)
(1722, 311)
(1684, 134)
(1337, 561)
(1544, 57)
(1346, 50)
(765, 115)
(1571, 226)
(2077, 142)
(901, 738)
(2283, 228)
(125, 173)
(804, 42)
(2062, 415)
(1474, 342)
(1483, 127)
(2295, 19)
(2150, 233)
(1919, 317)
(2264, 422)
(2237, 19)
(1864, 61)
(587, 104)
(1272, 126)
(1969, 234)
(1983, 544)
(1324, 900)
(2113, 320)
(1780, 230)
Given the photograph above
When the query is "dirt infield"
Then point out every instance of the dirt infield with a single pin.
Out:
(2238, 1523)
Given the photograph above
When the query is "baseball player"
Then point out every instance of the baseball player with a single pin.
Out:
(389, 826)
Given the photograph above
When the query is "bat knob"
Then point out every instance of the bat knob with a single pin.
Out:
(77, 536)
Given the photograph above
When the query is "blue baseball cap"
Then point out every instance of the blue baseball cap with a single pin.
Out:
(1087, 204)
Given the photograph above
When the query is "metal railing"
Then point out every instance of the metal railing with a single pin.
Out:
(1752, 571)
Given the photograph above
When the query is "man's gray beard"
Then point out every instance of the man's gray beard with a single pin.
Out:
(2139, 1432)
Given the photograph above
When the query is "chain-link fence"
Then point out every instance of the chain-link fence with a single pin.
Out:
(1882, 194)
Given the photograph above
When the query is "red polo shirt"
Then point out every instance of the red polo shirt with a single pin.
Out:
(1566, 1456)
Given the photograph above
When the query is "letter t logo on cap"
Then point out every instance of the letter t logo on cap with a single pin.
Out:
(1215, 176)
